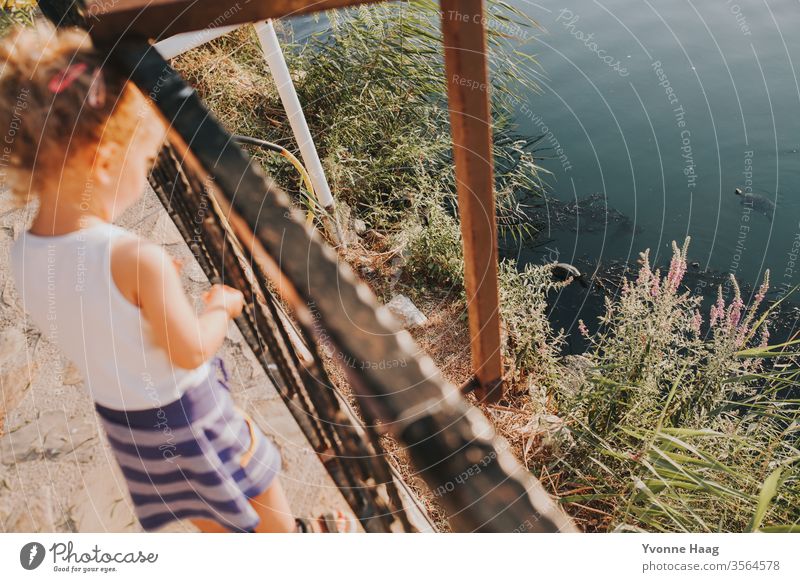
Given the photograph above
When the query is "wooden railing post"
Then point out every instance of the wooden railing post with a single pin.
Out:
(466, 67)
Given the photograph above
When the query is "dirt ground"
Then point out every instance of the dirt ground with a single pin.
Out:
(57, 473)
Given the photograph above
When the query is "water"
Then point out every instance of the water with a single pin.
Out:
(671, 161)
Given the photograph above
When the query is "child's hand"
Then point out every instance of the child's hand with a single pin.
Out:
(228, 298)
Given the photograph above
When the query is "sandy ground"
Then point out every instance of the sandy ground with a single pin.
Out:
(56, 469)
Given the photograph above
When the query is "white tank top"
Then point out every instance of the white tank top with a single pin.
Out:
(67, 289)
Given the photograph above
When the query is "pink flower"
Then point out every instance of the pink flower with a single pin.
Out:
(655, 287)
(645, 273)
(583, 329)
(762, 291)
(735, 312)
(736, 306)
(718, 310)
(713, 316)
(764, 335)
(697, 322)
(677, 267)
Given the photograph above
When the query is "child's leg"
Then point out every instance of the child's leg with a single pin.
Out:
(273, 509)
(271, 506)
(209, 526)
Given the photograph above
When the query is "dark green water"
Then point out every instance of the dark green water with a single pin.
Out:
(665, 109)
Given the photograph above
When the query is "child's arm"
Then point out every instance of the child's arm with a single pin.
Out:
(148, 278)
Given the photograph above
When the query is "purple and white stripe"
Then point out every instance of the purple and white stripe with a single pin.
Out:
(192, 458)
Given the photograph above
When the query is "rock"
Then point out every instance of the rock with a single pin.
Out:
(71, 375)
(270, 416)
(367, 271)
(164, 231)
(36, 515)
(374, 236)
(406, 312)
(50, 436)
(350, 237)
(15, 380)
(577, 363)
(343, 212)
(9, 297)
(359, 226)
(538, 393)
(551, 433)
(299, 75)
(12, 344)
(16, 371)
(239, 368)
(7, 204)
(194, 272)
(103, 505)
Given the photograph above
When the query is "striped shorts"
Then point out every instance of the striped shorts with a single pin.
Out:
(197, 457)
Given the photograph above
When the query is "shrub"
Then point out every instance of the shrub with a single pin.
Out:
(532, 348)
(679, 430)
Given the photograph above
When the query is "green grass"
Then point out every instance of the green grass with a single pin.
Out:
(13, 12)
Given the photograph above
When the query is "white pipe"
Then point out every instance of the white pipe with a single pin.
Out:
(180, 43)
(280, 72)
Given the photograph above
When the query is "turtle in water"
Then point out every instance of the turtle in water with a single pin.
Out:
(757, 202)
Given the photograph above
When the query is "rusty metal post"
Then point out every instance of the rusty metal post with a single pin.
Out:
(466, 66)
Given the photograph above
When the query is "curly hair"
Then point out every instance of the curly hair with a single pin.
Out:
(47, 121)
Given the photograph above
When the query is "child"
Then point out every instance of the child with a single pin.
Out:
(83, 143)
